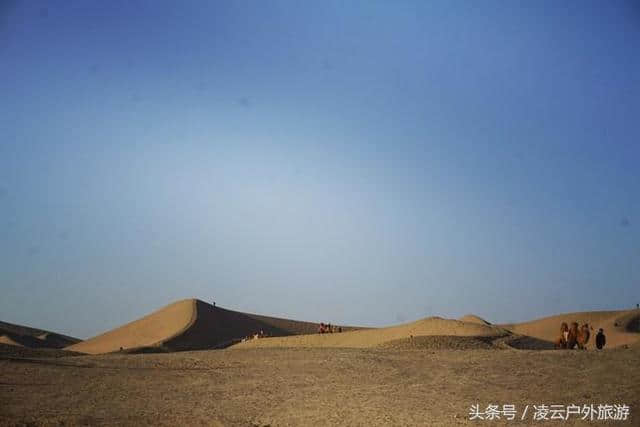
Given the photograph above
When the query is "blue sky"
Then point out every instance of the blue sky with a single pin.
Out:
(364, 163)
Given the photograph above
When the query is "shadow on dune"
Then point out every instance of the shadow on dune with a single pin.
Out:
(216, 327)
(629, 322)
(529, 343)
(35, 338)
(49, 340)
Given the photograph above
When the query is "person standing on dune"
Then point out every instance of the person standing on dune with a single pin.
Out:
(601, 340)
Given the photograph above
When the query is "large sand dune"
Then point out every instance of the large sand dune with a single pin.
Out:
(150, 330)
(620, 327)
(431, 326)
(19, 335)
(190, 324)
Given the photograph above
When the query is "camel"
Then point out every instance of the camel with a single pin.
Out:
(583, 336)
(574, 335)
(564, 334)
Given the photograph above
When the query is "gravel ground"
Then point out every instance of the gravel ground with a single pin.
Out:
(311, 386)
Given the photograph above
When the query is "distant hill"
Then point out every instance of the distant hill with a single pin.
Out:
(25, 336)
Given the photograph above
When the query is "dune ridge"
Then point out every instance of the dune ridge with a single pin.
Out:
(472, 318)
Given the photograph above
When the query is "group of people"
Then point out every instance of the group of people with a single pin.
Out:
(578, 336)
(328, 328)
(255, 336)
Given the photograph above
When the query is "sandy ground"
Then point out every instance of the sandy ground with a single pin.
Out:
(312, 386)
(427, 372)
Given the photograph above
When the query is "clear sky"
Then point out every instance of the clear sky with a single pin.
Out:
(363, 163)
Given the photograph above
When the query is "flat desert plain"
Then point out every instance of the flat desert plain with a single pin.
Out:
(430, 372)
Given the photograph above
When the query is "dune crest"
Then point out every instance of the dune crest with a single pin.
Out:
(472, 318)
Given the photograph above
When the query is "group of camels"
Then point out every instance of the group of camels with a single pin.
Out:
(573, 336)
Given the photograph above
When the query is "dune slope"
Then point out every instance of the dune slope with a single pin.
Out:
(431, 326)
(472, 318)
(149, 330)
(190, 324)
(31, 337)
(620, 327)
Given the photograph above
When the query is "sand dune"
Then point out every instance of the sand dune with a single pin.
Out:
(150, 330)
(620, 327)
(31, 337)
(6, 339)
(472, 318)
(431, 326)
(190, 324)
(24, 341)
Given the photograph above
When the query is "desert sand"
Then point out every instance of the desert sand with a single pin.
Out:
(190, 324)
(33, 338)
(153, 329)
(193, 324)
(621, 327)
(427, 372)
(432, 326)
